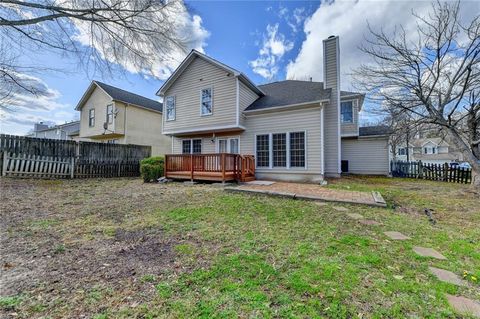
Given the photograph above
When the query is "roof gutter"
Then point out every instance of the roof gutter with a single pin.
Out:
(286, 107)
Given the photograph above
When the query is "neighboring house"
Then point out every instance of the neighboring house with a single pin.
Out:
(112, 115)
(67, 131)
(297, 130)
(432, 150)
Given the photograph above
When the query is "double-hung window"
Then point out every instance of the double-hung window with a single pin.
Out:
(170, 106)
(263, 150)
(192, 146)
(281, 150)
(279, 147)
(346, 112)
(109, 113)
(297, 149)
(91, 117)
(206, 107)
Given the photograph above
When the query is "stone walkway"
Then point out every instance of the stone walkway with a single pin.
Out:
(311, 192)
(461, 305)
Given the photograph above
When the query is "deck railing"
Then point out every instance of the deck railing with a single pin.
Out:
(222, 166)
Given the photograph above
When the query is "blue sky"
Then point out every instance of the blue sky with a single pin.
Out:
(264, 39)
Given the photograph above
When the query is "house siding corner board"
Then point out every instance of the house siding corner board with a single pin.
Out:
(308, 121)
(199, 75)
(366, 155)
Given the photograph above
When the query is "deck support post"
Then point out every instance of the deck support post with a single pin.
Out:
(191, 167)
(223, 168)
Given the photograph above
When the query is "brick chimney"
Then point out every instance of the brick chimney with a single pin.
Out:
(331, 80)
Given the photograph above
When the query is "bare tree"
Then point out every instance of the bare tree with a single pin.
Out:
(430, 75)
(102, 35)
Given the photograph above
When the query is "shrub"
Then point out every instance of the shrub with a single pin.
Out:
(151, 168)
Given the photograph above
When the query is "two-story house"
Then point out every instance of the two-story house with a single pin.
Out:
(430, 150)
(297, 130)
(112, 115)
(66, 131)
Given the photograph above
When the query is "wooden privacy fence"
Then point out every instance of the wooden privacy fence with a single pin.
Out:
(46, 158)
(434, 172)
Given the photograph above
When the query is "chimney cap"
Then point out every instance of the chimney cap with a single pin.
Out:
(331, 37)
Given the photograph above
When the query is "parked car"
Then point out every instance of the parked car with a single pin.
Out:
(465, 165)
(453, 164)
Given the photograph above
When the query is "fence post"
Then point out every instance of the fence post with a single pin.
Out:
(420, 169)
(5, 163)
(119, 168)
(72, 167)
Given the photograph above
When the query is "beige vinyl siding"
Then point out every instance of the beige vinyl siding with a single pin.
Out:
(246, 97)
(366, 155)
(198, 75)
(349, 129)
(331, 113)
(99, 100)
(144, 127)
(308, 120)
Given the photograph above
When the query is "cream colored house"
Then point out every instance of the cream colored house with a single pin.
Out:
(112, 115)
(430, 150)
(297, 130)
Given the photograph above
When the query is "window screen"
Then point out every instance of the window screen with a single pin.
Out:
(297, 149)
(186, 146)
(347, 112)
(263, 151)
(279, 144)
(197, 146)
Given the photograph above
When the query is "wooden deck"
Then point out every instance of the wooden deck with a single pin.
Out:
(221, 167)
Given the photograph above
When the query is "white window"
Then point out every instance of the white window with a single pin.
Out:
(279, 144)
(297, 149)
(347, 112)
(402, 151)
(281, 150)
(109, 113)
(170, 106)
(228, 145)
(430, 150)
(91, 117)
(206, 105)
(192, 146)
(263, 150)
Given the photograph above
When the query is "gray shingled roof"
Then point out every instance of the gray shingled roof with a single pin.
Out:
(292, 92)
(131, 98)
(289, 92)
(374, 130)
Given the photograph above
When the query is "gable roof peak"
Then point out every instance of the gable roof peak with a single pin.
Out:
(189, 59)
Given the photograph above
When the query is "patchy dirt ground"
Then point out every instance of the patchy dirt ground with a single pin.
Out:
(51, 246)
(119, 248)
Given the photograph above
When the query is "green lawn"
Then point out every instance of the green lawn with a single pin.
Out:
(118, 248)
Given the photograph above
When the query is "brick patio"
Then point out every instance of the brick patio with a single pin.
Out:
(311, 192)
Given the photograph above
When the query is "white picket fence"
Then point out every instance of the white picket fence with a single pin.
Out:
(24, 165)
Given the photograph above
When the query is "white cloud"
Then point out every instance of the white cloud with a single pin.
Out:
(174, 19)
(21, 108)
(349, 20)
(274, 46)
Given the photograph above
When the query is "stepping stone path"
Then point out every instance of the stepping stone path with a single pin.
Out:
(340, 208)
(355, 216)
(369, 222)
(395, 235)
(447, 276)
(428, 252)
(464, 305)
